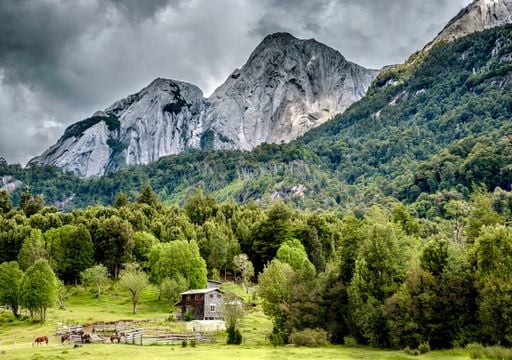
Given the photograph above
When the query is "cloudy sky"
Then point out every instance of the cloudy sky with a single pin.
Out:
(61, 60)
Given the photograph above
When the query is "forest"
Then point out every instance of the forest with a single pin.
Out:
(389, 276)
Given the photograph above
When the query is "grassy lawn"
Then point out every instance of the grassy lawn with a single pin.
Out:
(218, 351)
(83, 307)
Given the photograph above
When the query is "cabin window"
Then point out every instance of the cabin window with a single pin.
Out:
(211, 296)
(212, 308)
(188, 297)
(196, 297)
(218, 296)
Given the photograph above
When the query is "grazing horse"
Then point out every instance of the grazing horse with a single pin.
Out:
(64, 338)
(86, 338)
(39, 340)
(116, 336)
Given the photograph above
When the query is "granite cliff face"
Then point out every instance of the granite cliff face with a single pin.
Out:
(157, 121)
(478, 16)
(287, 87)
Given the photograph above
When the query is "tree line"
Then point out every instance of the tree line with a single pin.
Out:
(436, 271)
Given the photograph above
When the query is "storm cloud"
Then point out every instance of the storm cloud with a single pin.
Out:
(61, 60)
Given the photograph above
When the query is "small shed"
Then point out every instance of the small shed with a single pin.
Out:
(204, 304)
(213, 284)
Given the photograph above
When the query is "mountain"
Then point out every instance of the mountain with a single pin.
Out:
(159, 120)
(478, 16)
(425, 133)
(287, 87)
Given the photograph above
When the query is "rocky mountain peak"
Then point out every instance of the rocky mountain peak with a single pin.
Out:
(287, 87)
(478, 16)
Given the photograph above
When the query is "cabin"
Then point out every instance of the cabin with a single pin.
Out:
(204, 304)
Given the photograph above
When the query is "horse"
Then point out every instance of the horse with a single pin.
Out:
(39, 340)
(116, 336)
(64, 338)
(86, 338)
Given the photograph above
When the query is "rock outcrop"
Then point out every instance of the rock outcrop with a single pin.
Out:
(158, 121)
(478, 16)
(287, 87)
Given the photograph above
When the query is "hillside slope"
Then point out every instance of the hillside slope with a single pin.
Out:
(425, 126)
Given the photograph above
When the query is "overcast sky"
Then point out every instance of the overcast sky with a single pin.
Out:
(61, 60)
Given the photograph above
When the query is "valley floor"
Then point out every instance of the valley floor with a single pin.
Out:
(84, 308)
(217, 351)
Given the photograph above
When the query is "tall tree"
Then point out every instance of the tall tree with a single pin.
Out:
(96, 276)
(5, 202)
(39, 289)
(168, 260)
(33, 248)
(148, 196)
(114, 243)
(121, 200)
(10, 285)
(134, 280)
(271, 232)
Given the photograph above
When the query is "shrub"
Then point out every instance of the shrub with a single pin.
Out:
(309, 337)
(498, 353)
(193, 343)
(350, 341)
(410, 351)
(478, 351)
(276, 339)
(424, 348)
(234, 336)
(188, 316)
(184, 343)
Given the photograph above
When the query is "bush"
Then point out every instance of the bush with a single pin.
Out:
(350, 341)
(309, 337)
(234, 336)
(410, 351)
(188, 316)
(475, 350)
(478, 351)
(424, 348)
(498, 353)
(193, 343)
(276, 339)
(184, 343)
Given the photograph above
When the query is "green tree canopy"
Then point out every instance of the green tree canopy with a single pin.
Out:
(39, 289)
(10, 285)
(180, 257)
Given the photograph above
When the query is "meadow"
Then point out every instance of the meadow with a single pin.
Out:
(82, 307)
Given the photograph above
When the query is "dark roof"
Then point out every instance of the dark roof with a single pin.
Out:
(200, 291)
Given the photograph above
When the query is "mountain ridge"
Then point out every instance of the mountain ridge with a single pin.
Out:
(286, 87)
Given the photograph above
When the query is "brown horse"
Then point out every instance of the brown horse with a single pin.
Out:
(39, 340)
(86, 338)
(64, 338)
(116, 336)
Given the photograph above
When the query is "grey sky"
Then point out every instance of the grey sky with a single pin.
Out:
(61, 60)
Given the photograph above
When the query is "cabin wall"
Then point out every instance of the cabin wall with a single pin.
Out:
(194, 303)
(213, 306)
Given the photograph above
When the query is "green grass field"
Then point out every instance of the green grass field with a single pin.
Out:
(83, 307)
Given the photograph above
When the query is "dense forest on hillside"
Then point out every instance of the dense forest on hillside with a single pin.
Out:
(440, 122)
(383, 276)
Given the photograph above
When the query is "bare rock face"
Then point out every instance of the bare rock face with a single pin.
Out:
(478, 16)
(287, 87)
(157, 121)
